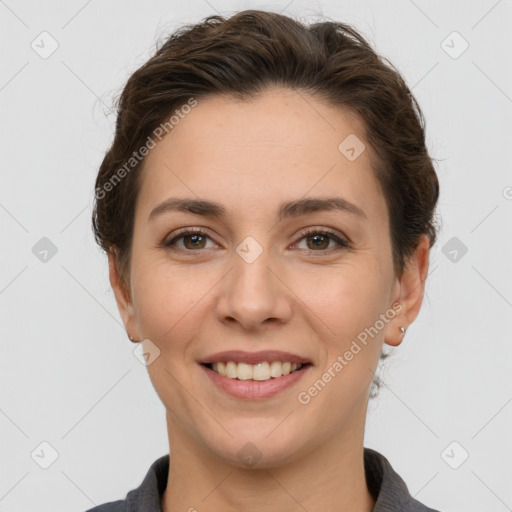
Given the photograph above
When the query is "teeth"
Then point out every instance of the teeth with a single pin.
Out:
(276, 369)
(231, 370)
(244, 371)
(260, 371)
(221, 368)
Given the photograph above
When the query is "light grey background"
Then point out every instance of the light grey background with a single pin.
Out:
(67, 373)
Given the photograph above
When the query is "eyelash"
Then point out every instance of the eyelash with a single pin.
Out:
(304, 233)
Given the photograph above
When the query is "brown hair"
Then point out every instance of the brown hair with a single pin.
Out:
(242, 56)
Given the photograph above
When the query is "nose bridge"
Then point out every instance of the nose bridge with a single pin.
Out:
(252, 293)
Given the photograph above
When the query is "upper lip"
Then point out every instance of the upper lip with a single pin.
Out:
(239, 356)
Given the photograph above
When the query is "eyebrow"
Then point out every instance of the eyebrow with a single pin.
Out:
(288, 209)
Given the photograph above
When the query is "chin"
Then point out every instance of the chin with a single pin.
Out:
(260, 444)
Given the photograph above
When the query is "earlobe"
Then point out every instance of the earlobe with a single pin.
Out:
(411, 290)
(396, 335)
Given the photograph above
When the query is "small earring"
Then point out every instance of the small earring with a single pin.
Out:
(131, 338)
(402, 330)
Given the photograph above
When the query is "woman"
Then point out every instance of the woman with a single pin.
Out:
(267, 207)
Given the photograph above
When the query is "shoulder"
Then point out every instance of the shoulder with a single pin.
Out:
(388, 488)
(146, 497)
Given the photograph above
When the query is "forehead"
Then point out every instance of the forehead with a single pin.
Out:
(256, 153)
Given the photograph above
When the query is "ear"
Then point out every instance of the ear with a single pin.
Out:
(409, 291)
(123, 296)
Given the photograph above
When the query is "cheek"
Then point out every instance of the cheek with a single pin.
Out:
(167, 305)
(169, 313)
(348, 307)
(349, 296)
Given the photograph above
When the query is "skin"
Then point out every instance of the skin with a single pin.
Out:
(250, 156)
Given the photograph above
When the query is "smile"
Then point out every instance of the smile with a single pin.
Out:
(255, 375)
(260, 371)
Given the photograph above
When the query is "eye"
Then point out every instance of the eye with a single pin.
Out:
(318, 240)
(192, 239)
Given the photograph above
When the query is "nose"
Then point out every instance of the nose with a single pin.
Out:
(254, 294)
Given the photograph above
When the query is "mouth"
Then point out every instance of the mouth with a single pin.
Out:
(262, 371)
(255, 375)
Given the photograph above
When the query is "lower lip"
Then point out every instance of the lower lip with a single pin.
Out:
(255, 389)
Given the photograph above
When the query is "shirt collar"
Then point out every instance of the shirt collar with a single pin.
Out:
(388, 489)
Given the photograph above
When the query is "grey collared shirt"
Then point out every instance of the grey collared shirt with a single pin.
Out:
(387, 487)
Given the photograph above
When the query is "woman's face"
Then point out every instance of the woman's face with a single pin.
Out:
(252, 281)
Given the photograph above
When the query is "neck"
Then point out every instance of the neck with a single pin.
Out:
(330, 478)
